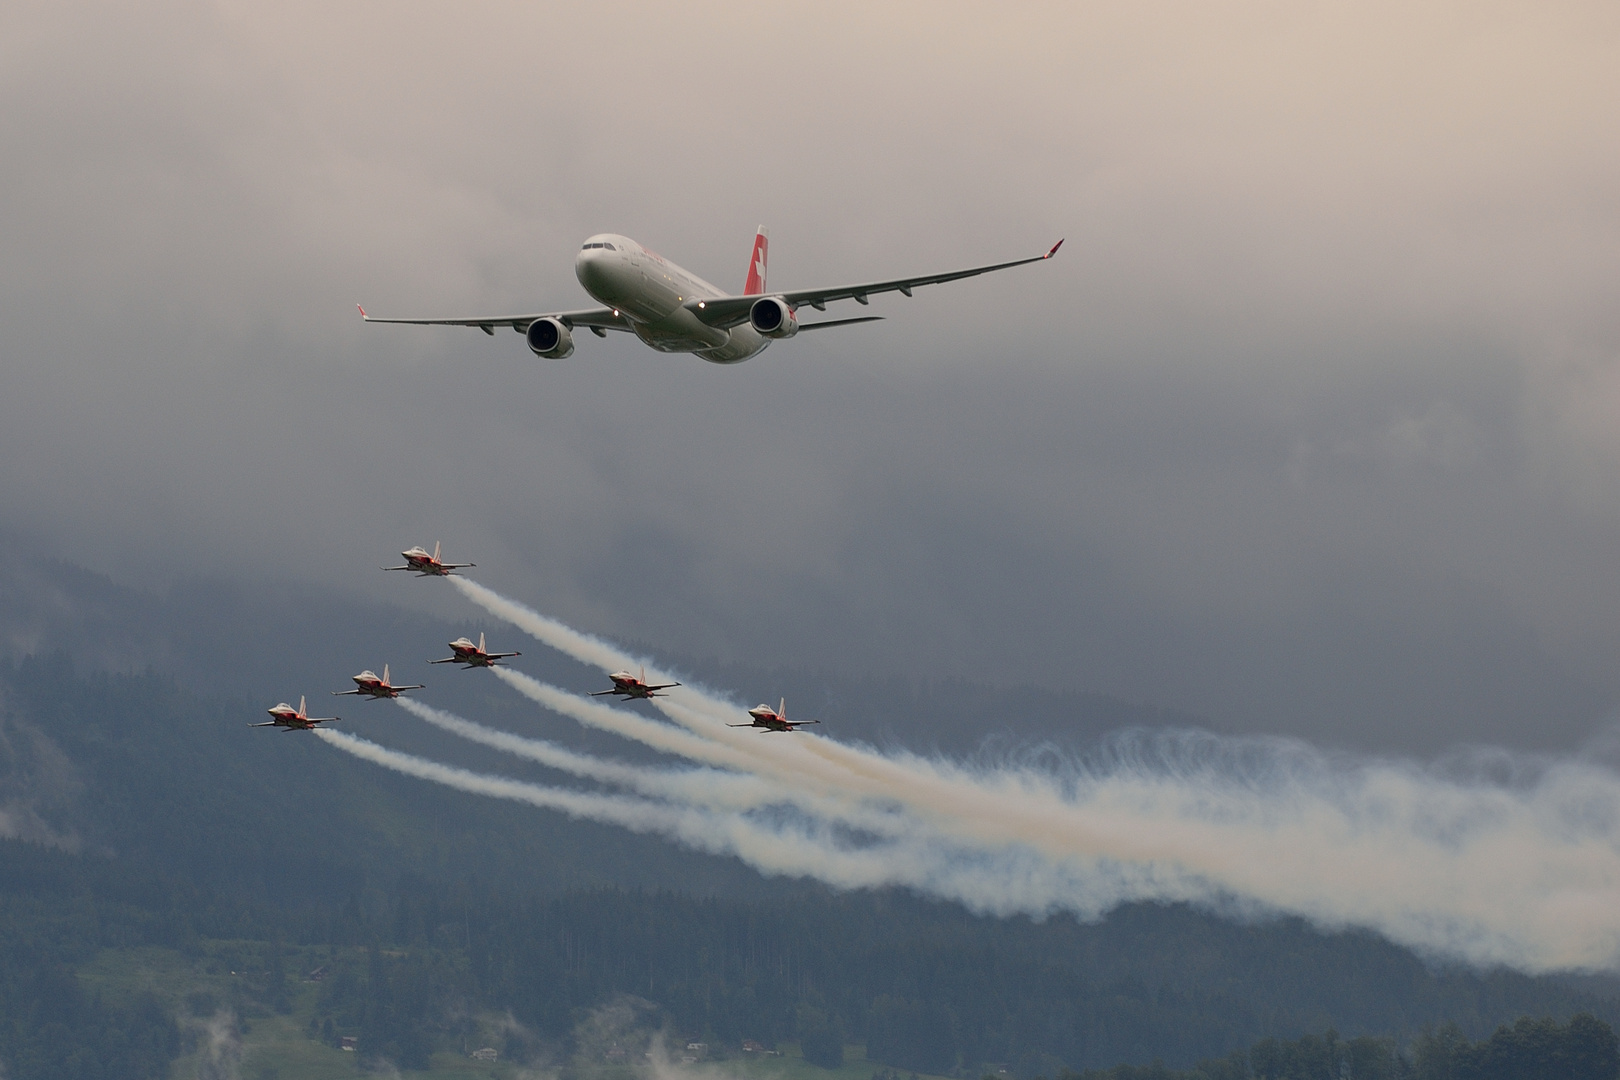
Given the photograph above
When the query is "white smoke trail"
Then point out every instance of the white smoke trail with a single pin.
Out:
(1465, 867)
(565, 639)
(700, 712)
(827, 800)
(1523, 872)
(705, 787)
(659, 736)
(798, 849)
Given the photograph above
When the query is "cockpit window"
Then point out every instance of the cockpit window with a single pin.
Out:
(610, 247)
(588, 247)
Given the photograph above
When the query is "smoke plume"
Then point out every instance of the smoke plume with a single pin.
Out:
(1465, 858)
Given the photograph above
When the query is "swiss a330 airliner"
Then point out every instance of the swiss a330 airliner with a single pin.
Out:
(674, 310)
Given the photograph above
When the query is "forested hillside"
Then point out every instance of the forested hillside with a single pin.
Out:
(144, 816)
(1529, 1049)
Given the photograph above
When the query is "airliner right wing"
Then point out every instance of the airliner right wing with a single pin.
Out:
(596, 318)
(728, 311)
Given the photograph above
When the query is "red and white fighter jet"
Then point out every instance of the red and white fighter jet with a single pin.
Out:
(418, 560)
(369, 684)
(287, 718)
(465, 653)
(630, 687)
(769, 719)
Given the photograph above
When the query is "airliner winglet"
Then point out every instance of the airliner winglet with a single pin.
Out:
(1055, 246)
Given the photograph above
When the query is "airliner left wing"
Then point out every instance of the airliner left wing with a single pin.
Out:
(728, 311)
(595, 318)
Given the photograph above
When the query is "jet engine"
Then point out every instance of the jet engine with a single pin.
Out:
(772, 317)
(550, 338)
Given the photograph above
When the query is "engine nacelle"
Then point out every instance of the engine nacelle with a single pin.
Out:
(773, 318)
(550, 338)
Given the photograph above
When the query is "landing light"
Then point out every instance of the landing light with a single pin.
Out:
(701, 305)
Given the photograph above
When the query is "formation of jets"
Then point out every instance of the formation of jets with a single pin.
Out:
(673, 310)
(368, 684)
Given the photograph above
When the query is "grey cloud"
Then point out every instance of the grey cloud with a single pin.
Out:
(1309, 428)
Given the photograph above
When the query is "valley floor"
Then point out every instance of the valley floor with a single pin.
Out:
(227, 1025)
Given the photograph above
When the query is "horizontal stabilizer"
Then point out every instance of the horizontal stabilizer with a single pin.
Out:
(839, 322)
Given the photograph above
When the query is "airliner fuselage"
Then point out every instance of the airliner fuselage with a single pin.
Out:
(654, 293)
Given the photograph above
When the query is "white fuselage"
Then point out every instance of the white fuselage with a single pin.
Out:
(652, 293)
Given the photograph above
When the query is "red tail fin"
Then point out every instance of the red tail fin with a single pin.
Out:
(756, 267)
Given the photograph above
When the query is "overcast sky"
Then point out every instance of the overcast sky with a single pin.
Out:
(1311, 427)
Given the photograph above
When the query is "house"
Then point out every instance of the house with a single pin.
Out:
(350, 1043)
(751, 1047)
(487, 1053)
(317, 975)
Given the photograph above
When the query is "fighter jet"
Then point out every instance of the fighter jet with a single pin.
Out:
(630, 687)
(417, 559)
(368, 684)
(769, 719)
(287, 718)
(465, 653)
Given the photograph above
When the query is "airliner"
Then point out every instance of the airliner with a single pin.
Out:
(675, 311)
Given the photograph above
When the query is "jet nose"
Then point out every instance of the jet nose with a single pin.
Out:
(590, 267)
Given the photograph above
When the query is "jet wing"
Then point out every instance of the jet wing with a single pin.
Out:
(346, 693)
(727, 311)
(595, 318)
(502, 655)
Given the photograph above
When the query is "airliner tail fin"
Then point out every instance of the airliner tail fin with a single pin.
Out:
(756, 265)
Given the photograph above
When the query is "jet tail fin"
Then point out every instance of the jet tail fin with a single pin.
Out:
(756, 263)
(385, 674)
